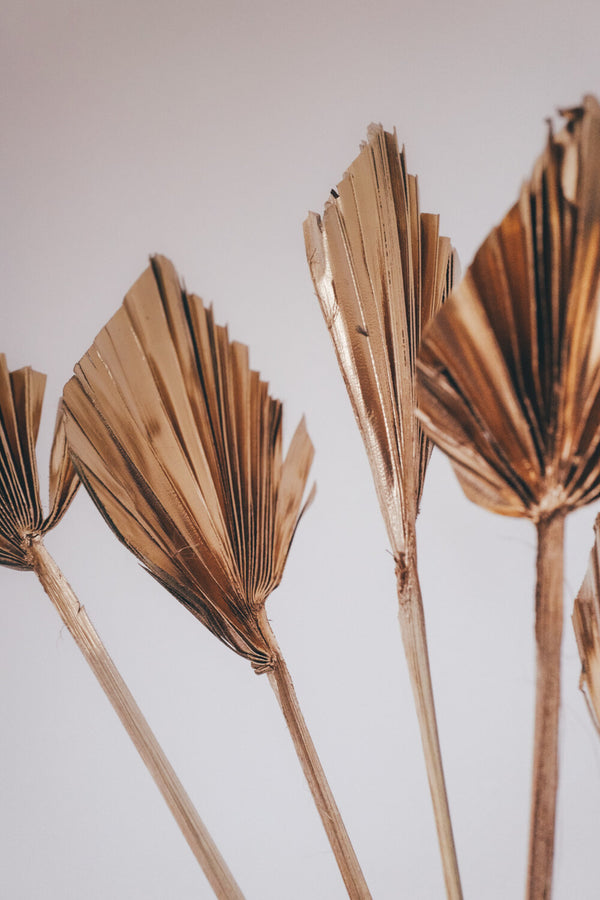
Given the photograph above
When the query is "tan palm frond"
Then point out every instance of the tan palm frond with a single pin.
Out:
(510, 370)
(586, 623)
(21, 518)
(510, 389)
(22, 527)
(381, 271)
(179, 444)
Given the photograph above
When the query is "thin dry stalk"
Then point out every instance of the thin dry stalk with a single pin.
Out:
(509, 388)
(179, 443)
(414, 638)
(86, 637)
(548, 634)
(381, 270)
(339, 840)
(22, 527)
(283, 686)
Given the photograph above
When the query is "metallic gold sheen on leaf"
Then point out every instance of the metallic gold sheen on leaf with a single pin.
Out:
(381, 271)
(509, 388)
(179, 443)
(21, 516)
(22, 527)
(510, 368)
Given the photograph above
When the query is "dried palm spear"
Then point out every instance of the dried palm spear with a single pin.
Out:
(381, 271)
(586, 622)
(510, 389)
(22, 522)
(179, 443)
(22, 527)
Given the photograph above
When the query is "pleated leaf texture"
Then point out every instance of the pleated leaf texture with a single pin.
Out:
(21, 515)
(381, 271)
(510, 368)
(179, 444)
(586, 623)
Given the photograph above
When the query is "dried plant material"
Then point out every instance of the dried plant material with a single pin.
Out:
(586, 623)
(22, 527)
(179, 444)
(21, 516)
(381, 271)
(510, 370)
(510, 389)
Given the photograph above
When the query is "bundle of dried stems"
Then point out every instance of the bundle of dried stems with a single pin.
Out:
(22, 527)
(510, 389)
(586, 622)
(381, 271)
(179, 444)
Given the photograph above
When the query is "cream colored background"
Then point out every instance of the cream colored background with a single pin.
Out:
(206, 131)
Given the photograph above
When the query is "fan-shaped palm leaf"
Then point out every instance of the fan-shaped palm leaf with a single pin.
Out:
(22, 526)
(22, 521)
(510, 389)
(179, 443)
(381, 271)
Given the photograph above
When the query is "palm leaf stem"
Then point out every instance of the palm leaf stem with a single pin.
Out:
(414, 638)
(76, 620)
(281, 682)
(548, 633)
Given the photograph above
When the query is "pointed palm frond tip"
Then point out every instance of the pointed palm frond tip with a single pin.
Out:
(510, 368)
(21, 515)
(381, 271)
(179, 444)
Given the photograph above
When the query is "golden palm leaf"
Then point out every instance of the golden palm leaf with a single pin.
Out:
(510, 369)
(22, 527)
(381, 271)
(21, 518)
(179, 444)
(509, 387)
(586, 623)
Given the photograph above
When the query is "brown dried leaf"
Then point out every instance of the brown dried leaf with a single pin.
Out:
(509, 371)
(179, 444)
(64, 480)
(586, 623)
(21, 517)
(381, 271)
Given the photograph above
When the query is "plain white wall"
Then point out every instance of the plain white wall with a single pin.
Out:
(206, 131)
